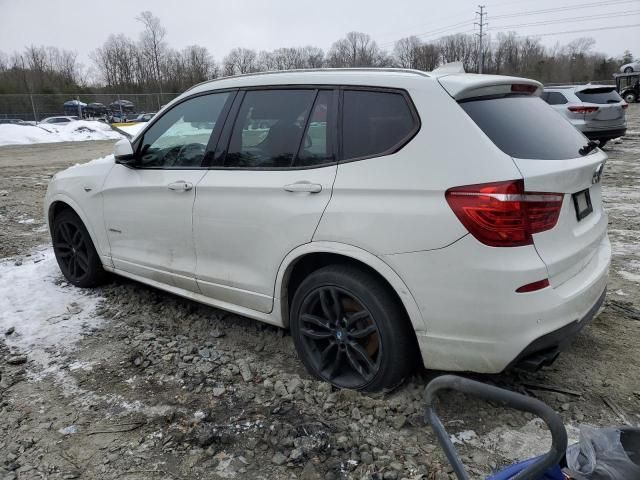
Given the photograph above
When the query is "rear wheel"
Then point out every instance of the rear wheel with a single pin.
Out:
(349, 329)
(630, 97)
(74, 250)
(628, 70)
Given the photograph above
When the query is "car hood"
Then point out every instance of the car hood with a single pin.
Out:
(95, 168)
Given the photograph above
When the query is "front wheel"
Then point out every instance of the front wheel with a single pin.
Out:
(628, 70)
(351, 331)
(74, 250)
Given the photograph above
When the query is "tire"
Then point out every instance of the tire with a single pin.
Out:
(628, 70)
(630, 97)
(602, 143)
(75, 252)
(371, 322)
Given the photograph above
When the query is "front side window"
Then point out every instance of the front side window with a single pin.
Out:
(269, 128)
(375, 123)
(179, 138)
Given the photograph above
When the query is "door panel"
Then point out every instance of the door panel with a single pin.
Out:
(245, 223)
(267, 193)
(149, 223)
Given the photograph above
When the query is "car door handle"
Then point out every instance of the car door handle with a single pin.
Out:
(307, 187)
(180, 186)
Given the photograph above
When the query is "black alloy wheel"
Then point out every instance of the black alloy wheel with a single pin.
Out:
(75, 252)
(350, 329)
(341, 336)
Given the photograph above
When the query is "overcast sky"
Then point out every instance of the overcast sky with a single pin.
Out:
(83, 25)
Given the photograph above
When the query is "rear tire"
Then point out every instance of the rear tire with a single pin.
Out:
(628, 70)
(630, 97)
(350, 330)
(75, 252)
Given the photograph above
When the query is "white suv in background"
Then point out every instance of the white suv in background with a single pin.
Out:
(596, 110)
(375, 213)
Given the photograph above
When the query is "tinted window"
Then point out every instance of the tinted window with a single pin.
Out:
(179, 138)
(269, 128)
(599, 95)
(316, 147)
(554, 98)
(526, 127)
(374, 123)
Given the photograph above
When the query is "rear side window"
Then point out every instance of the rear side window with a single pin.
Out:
(269, 128)
(375, 123)
(525, 127)
(599, 95)
(554, 98)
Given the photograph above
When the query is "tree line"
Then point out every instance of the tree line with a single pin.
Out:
(149, 64)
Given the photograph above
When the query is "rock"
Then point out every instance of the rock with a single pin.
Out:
(296, 454)
(280, 389)
(17, 360)
(390, 475)
(441, 475)
(10, 330)
(137, 360)
(399, 421)
(245, 370)
(217, 333)
(218, 391)
(366, 458)
(293, 385)
(355, 413)
(309, 472)
(279, 459)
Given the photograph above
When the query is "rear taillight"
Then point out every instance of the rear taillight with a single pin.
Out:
(583, 109)
(625, 106)
(502, 214)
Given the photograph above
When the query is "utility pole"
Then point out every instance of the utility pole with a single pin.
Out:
(482, 24)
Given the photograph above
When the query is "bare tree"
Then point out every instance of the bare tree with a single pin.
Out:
(152, 42)
(239, 61)
(357, 49)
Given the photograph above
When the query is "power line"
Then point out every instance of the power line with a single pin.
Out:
(600, 16)
(436, 31)
(579, 31)
(564, 8)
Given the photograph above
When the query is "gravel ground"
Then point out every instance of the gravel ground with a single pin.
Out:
(158, 387)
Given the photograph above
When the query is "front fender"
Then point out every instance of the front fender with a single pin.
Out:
(280, 300)
(95, 228)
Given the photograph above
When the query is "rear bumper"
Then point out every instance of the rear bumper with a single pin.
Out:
(605, 134)
(544, 350)
(475, 320)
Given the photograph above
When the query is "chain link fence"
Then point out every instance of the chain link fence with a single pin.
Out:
(35, 107)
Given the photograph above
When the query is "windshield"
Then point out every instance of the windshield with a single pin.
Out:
(525, 127)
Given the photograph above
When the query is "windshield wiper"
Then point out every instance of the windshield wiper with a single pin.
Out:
(588, 148)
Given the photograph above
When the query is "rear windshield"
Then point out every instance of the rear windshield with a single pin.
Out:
(526, 127)
(599, 95)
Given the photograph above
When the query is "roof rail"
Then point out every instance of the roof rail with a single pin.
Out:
(308, 70)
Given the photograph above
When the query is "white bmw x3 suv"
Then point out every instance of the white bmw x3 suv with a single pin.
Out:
(375, 213)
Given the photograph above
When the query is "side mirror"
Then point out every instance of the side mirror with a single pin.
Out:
(123, 152)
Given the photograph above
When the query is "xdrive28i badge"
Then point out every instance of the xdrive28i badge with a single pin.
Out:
(597, 174)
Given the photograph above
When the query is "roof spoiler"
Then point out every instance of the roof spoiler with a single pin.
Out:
(449, 69)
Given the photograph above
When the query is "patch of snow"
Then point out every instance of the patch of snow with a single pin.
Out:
(70, 430)
(621, 293)
(531, 440)
(45, 311)
(27, 221)
(79, 130)
(466, 436)
(632, 277)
